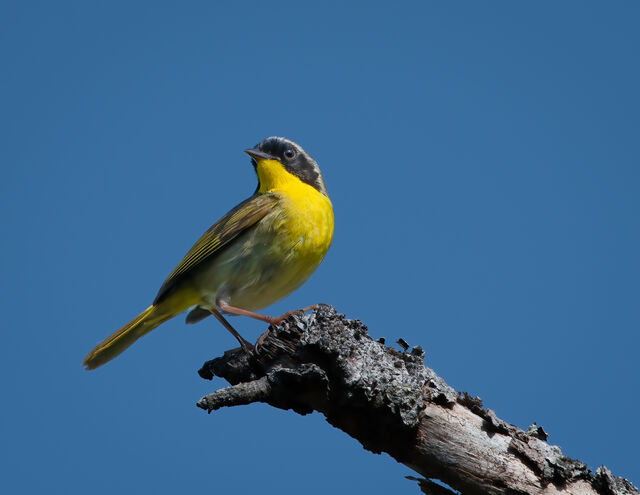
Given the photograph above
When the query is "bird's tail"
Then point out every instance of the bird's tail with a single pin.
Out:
(117, 342)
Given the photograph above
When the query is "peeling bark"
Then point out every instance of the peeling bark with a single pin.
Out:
(390, 402)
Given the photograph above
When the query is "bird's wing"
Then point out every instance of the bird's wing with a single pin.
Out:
(238, 220)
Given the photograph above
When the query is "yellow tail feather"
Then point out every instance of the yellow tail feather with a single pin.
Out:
(117, 342)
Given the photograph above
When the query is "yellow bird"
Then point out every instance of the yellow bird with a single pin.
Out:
(258, 253)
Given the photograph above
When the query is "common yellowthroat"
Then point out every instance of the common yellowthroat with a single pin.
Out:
(256, 254)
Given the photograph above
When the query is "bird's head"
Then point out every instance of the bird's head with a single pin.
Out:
(276, 159)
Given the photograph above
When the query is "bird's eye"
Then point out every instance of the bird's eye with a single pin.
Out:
(289, 153)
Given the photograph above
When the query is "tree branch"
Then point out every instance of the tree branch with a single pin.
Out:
(390, 402)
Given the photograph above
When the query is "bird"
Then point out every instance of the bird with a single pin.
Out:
(258, 253)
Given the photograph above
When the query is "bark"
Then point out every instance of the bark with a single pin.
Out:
(390, 402)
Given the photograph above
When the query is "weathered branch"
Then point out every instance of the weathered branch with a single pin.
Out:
(391, 402)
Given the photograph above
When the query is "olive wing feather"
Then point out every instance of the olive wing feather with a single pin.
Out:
(236, 221)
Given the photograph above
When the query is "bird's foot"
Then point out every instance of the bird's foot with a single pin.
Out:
(278, 320)
(261, 340)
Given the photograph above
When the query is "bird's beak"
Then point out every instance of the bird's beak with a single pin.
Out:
(258, 155)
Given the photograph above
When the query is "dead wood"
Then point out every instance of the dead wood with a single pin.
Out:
(390, 402)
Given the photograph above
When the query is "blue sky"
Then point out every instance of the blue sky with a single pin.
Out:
(483, 163)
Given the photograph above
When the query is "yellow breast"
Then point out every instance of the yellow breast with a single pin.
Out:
(308, 214)
(306, 222)
(310, 211)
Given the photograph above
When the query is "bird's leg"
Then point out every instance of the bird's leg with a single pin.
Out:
(296, 312)
(272, 320)
(246, 345)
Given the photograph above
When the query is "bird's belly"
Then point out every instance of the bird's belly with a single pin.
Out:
(269, 283)
(270, 261)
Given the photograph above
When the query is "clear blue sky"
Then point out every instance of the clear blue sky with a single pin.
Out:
(483, 162)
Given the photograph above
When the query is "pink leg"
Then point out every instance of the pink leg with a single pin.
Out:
(246, 345)
(272, 320)
(268, 319)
